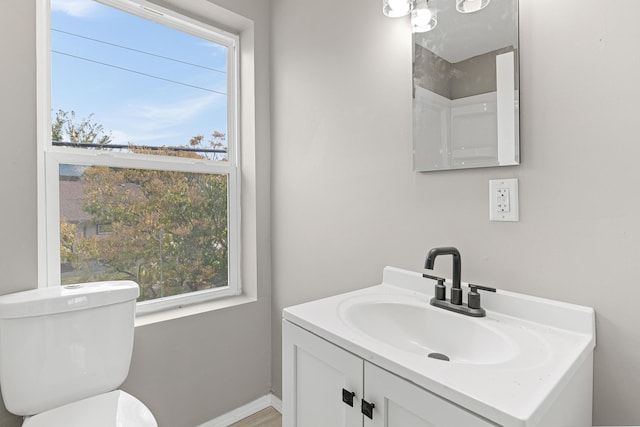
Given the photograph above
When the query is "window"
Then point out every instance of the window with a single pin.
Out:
(140, 152)
(102, 229)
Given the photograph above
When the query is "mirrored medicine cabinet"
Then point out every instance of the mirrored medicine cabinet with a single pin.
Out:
(466, 88)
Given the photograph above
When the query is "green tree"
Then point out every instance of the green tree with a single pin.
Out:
(65, 128)
(216, 141)
(167, 229)
(68, 233)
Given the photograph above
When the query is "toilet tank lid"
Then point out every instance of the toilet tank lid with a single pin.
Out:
(61, 299)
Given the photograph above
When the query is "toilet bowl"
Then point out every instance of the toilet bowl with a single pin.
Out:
(113, 409)
(65, 350)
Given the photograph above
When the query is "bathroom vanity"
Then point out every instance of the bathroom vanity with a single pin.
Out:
(383, 356)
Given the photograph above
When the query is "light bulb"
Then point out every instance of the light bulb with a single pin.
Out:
(469, 6)
(422, 18)
(396, 8)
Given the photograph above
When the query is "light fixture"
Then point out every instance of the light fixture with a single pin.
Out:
(396, 8)
(468, 6)
(423, 18)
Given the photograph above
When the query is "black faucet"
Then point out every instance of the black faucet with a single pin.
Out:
(455, 303)
(456, 290)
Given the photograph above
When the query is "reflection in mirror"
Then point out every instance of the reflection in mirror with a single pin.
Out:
(465, 88)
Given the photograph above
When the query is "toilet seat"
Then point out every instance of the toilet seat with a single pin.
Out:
(114, 409)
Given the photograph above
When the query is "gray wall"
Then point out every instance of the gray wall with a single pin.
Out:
(345, 202)
(472, 76)
(18, 262)
(476, 75)
(431, 72)
(188, 370)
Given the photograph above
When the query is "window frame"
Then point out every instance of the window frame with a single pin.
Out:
(50, 156)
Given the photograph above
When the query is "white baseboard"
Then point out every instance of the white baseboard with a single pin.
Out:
(276, 403)
(245, 411)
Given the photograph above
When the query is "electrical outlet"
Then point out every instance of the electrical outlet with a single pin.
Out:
(503, 200)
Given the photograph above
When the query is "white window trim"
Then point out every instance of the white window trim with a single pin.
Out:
(50, 157)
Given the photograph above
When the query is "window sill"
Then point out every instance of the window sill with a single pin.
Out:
(191, 310)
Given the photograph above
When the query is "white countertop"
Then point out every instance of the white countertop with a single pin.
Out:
(551, 339)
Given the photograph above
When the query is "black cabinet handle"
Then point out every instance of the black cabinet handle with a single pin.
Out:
(367, 409)
(347, 397)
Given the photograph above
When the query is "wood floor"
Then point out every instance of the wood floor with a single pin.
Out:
(266, 418)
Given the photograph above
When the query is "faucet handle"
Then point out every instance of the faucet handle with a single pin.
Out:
(440, 293)
(482, 288)
(473, 297)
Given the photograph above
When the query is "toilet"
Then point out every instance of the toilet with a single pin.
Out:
(64, 351)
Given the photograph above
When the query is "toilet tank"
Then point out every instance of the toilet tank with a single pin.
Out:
(62, 344)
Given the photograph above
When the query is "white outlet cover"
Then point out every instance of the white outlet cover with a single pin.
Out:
(497, 211)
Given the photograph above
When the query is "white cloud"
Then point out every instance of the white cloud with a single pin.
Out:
(165, 116)
(76, 8)
(140, 123)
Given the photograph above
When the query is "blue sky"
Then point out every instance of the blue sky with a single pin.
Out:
(136, 108)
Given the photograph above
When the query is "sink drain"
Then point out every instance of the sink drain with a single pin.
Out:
(438, 356)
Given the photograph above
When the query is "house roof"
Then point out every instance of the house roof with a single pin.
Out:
(71, 195)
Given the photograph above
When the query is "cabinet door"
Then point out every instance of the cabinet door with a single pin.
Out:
(315, 374)
(399, 403)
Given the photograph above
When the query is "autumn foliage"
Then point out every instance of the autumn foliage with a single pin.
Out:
(166, 230)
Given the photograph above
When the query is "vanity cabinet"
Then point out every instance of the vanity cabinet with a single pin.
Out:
(528, 363)
(325, 385)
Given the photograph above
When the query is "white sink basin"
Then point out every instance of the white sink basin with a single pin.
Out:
(509, 367)
(422, 329)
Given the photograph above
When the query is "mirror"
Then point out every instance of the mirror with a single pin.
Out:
(465, 88)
